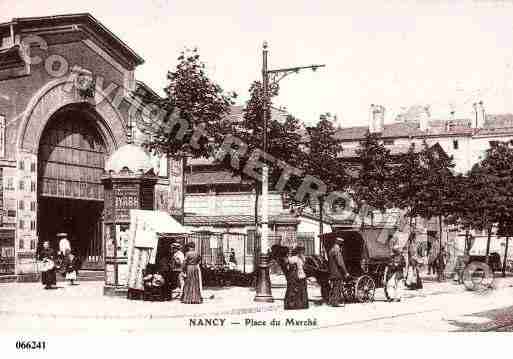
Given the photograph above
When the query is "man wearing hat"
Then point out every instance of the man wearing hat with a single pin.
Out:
(64, 245)
(177, 262)
(338, 272)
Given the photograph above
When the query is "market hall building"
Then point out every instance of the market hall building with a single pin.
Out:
(57, 131)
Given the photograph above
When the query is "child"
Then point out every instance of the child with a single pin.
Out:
(71, 267)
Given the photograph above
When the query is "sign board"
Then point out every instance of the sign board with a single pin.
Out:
(125, 199)
(176, 186)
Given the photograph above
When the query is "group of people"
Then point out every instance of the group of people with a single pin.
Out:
(180, 271)
(398, 274)
(65, 261)
(296, 295)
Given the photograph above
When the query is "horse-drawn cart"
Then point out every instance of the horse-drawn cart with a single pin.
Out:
(366, 256)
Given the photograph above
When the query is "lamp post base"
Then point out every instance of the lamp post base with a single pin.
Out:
(263, 288)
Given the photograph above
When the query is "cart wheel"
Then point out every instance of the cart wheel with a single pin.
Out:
(477, 276)
(364, 289)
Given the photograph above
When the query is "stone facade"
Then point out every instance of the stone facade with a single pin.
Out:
(59, 48)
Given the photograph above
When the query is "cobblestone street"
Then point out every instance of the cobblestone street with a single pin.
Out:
(439, 307)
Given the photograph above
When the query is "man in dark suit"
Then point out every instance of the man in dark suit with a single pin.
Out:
(338, 272)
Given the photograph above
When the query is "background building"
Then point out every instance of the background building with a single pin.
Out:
(465, 139)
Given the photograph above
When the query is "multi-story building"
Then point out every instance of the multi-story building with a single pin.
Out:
(466, 139)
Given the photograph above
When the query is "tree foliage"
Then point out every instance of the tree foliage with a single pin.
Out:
(321, 159)
(283, 142)
(485, 196)
(283, 138)
(372, 185)
(407, 176)
(196, 99)
(321, 152)
(436, 190)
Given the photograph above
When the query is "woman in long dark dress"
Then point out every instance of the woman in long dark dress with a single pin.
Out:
(47, 256)
(296, 296)
(192, 287)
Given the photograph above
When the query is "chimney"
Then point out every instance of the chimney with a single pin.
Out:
(371, 119)
(452, 117)
(449, 123)
(474, 120)
(424, 119)
(479, 115)
(377, 119)
(337, 122)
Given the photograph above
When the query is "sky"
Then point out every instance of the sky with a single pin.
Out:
(393, 53)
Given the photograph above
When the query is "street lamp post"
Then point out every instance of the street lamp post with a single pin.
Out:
(269, 78)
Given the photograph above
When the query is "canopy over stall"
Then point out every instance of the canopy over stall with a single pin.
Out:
(146, 228)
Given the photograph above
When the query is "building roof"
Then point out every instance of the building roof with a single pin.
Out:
(234, 220)
(211, 177)
(389, 130)
(145, 91)
(350, 157)
(499, 121)
(494, 124)
(84, 22)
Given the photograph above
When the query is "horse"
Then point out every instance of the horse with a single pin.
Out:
(315, 266)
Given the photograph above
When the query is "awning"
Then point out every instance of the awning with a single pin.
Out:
(158, 222)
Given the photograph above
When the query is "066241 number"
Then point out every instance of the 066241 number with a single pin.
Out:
(30, 345)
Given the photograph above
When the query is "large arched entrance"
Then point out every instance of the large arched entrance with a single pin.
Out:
(71, 159)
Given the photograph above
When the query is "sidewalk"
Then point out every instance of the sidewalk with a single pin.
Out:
(87, 300)
(27, 308)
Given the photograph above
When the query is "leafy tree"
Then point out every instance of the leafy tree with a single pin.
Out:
(372, 186)
(321, 159)
(436, 192)
(407, 175)
(284, 141)
(464, 210)
(194, 98)
(493, 191)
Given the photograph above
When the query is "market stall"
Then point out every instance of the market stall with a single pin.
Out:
(150, 235)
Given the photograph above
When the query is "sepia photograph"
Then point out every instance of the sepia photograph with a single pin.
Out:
(275, 167)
